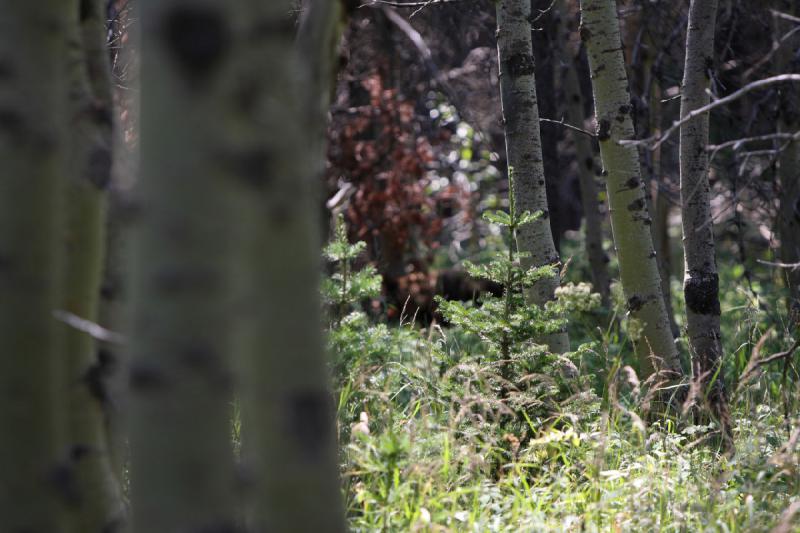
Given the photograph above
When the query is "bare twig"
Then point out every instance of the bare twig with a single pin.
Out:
(736, 143)
(417, 5)
(756, 361)
(655, 142)
(793, 266)
(784, 16)
(94, 330)
(568, 126)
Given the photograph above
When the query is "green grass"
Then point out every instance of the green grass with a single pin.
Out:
(445, 453)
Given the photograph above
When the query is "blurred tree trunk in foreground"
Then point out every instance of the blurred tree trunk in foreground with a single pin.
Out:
(630, 219)
(524, 148)
(193, 167)
(288, 415)
(32, 122)
(98, 504)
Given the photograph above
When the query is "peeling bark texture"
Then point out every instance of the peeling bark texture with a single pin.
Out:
(789, 165)
(182, 473)
(584, 152)
(288, 416)
(32, 132)
(524, 148)
(99, 503)
(701, 281)
(630, 217)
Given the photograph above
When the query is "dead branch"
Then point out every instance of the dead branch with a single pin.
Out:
(655, 142)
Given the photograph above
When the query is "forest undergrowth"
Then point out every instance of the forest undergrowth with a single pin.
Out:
(466, 424)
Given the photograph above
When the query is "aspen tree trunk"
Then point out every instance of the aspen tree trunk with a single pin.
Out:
(584, 152)
(193, 168)
(288, 415)
(98, 503)
(701, 280)
(661, 210)
(789, 165)
(524, 148)
(630, 219)
(31, 151)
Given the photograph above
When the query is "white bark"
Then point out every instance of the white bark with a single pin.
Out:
(288, 415)
(181, 467)
(701, 280)
(630, 219)
(524, 148)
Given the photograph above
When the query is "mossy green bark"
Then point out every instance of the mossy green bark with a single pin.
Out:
(31, 150)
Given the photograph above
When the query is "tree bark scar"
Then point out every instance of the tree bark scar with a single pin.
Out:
(308, 422)
(633, 182)
(701, 290)
(97, 375)
(603, 130)
(637, 204)
(198, 38)
(98, 167)
(520, 65)
(635, 303)
(585, 33)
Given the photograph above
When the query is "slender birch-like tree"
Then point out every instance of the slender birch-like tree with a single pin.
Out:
(701, 280)
(98, 503)
(584, 153)
(524, 149)
(288, 415)
(193, 167)
(630, 217)
(32, 134)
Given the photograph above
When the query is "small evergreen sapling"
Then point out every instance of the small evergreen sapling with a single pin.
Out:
(507, 325)
(348, 287)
